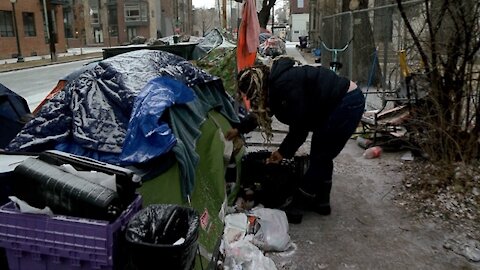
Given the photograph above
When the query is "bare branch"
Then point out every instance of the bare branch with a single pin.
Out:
(413, 35)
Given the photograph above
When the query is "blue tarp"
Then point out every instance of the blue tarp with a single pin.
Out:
(148, 136)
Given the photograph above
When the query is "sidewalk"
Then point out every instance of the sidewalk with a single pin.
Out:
(293, 51)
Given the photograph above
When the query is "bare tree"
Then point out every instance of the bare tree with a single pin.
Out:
(281, 15)
(264, 14)
(448, 125)
(205, 19)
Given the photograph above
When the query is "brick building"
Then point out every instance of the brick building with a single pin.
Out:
(80, 23)
(117, 22)
(299, 19)
(30, 23)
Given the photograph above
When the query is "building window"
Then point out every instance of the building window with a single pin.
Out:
(113, 21)
(112, 15)
(95, 17)
(300, 4)
(6, 24)
(29, 24)
(136, 12)
(68, 21)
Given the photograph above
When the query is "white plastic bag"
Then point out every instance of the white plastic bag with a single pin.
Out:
(243, 255)
(273, 233)
(24, 207)
(235, 227)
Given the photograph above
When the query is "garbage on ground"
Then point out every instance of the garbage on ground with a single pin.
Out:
(372, 152)
(246, 256)
(408, 156)
(387, 126)
(364, 142)
(272, 233)
(468, 248)
(235, 227)
(248, 235)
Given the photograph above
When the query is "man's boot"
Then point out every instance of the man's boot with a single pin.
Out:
(294, 214)
(319, 202)
(322, 201)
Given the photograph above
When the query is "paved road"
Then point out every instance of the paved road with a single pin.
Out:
(34, 84)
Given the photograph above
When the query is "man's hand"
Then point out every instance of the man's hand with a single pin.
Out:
(275, 157)
(231, 134)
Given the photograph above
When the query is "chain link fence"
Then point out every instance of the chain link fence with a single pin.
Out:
(371, 39)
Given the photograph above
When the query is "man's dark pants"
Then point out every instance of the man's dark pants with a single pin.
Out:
(328, 141)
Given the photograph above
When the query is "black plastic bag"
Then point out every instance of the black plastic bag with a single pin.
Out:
(152, 232)
(14, 114)
(303, 41)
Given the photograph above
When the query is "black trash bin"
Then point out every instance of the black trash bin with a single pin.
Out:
(303, 41)
(152, 232)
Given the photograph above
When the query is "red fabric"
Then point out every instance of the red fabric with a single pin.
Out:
(50, 95)
(248, 42)
(246, 102)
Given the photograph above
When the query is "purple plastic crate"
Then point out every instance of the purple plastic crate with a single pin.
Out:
(61, 242)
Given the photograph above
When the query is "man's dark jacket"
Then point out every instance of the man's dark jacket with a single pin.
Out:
(303, 98)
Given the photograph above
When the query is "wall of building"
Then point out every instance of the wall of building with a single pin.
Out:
(83, 23)
(296, 6)
(35, 45)
(298, 26)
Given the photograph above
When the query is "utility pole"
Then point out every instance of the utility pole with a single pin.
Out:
(273, 18)
(218, 7)
(20, 58)
(47, 30)
(224, 14)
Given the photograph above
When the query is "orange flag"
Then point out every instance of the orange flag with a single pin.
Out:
(248, 35)
(248, 42)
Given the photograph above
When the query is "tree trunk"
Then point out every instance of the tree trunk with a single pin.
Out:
(264, 14)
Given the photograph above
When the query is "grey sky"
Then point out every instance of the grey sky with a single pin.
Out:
(203, 3)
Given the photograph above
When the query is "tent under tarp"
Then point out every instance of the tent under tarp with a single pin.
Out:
(91, 117)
